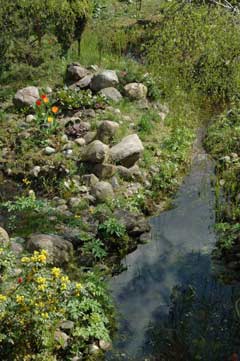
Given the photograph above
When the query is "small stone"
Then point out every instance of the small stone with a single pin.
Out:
(26, 97)
(16, 248)
(105, 345)
(62, 338)
(102, 191)
(114, 182)
(67, 325)
(136, 91)
(80, 141)
(36, 170)
(74, 202)
(30, 118)
(90, 137)
(111, 94)
(95, 152)
(64, 138)
(49, 90)
(49, 150)
(89, 180)
(93, 349)
(4, 237)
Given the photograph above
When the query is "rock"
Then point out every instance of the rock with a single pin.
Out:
(102, 191)
(88, 113)
(103, 171)
(17, 248)
(136, 91)
(105, 345)
(143, 104)
(90, 137)
(80, 141)
(111, 94)
(59, 250)
(83, 83)
(77, 358)
(76, 72)
(49, 150)
(128, 151)
(114, 182)
(74, 202)
(67, 325)
(90, 180)
(62, 338)
(93, 349)
(64, 138)
(48, 90)
(106, 130)
(26, 97)
(95, 152)
(105, 79)
(145, 237)
(68, 146)
(30, 118)
(4, 237)
(129, 174)
(135, 224)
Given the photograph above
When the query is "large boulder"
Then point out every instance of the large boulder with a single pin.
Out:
(111, 94)
(128, 151)
(26, 97)
(107, 130)
(102, 191)
(105, 79)
(59, 249)
(76, 72)
(4, 237)
(136, 91)
(95, 152)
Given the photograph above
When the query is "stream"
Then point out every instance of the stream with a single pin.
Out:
(171, 305)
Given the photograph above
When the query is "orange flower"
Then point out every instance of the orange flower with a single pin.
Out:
(46, 100)
(55, 109)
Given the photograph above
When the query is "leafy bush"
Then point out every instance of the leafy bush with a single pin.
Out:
(196, 47)
(36, 300)
(113, 234)
(70, 99)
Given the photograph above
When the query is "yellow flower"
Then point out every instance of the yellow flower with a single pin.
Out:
(79, 286)
(41, 287)
(50, 119)
(1, 250)
(56, 272)
(3, 298)
(77, 216)
(26, 181)
(39, 257)
(25, 260)
(46, 100)
(91, 209)
(65, 279)
(42, 258)
(41, 280)
(44, 315)
(20, 299)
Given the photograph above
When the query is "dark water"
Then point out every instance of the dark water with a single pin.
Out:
(169, 287)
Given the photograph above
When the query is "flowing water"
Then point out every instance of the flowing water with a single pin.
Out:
(169, 286)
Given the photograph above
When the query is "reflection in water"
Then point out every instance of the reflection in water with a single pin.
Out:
(179, 254)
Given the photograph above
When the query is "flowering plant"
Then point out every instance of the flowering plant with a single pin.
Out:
(46, 113)
(36, 300)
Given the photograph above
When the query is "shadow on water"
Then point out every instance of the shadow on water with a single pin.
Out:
(171, 306)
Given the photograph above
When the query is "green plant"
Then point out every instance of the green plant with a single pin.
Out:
(113, 234)
(71, 99)
(94, 247)
(36, 301)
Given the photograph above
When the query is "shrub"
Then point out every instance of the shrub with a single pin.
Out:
(71, 99)
(36, 299)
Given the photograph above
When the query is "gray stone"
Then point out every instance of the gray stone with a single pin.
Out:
(49, 150)
(89, 180)
(62, 338)
(95, 152)
(30, 118)
(106, 130)
(26, 97)
(67, 325)
(74, 202)
(103, 171)
(93, 349)
(16, 248)
(90, 137)
(105, 79)
(76, 72)
(102, 191)
(105, 345)
(59, 250)
(84, 82)
(136, 91)
(111, 94)
(4, 237)
(80, 141)
(135, 224)
(128, 151)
